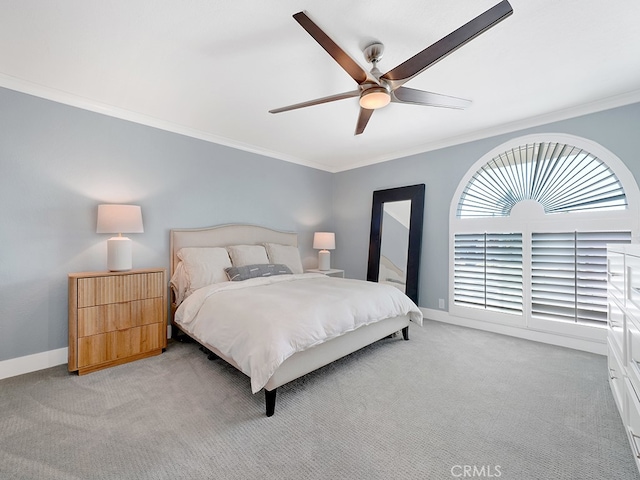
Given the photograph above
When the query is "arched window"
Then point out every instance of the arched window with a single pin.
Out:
(529, 225)
(561, 177)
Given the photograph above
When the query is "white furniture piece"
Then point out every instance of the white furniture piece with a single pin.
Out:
(302, 362)
(623, 336)
(332, 272)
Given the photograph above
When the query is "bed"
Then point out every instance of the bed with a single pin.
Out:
(243, 322)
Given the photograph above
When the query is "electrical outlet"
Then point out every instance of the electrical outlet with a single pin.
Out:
(441, 303)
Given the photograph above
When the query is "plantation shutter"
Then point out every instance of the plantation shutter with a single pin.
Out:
(569, 275)
(469, 274)
(567, 270)
(504, 272)
(488, 271)
(560, 177)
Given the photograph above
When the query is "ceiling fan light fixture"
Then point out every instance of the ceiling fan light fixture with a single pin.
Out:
(374, 97)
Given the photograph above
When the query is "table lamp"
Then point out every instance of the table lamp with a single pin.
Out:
(324, 241)
(119, 219)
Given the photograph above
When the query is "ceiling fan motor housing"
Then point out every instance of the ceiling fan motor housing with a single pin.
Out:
(373, 52)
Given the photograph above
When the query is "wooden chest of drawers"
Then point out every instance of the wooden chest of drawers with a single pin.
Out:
(116, 317)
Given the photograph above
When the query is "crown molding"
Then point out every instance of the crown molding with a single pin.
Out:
(531, 122)
(66, 98)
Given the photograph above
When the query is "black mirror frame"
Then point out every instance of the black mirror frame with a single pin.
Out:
(415, 193)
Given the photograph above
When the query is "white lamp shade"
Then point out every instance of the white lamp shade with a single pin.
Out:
(324, 241)
(119, 219)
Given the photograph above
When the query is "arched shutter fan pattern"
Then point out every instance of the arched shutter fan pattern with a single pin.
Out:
(561, 177)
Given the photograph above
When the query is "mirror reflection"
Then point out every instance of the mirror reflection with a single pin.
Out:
(395, 241)
(396, 217)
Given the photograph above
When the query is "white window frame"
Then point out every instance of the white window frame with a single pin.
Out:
(528, 218)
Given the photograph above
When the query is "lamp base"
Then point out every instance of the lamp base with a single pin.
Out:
(119, 256)
(324, 260)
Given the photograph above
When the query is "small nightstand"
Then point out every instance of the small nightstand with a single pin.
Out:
(334, 272)
(116, 317)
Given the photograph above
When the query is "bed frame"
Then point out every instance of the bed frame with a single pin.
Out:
(300, 363)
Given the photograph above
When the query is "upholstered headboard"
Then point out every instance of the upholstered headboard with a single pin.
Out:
(225, 235)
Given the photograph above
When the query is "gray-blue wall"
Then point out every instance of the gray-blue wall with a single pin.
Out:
(57, 163)
(441, 171)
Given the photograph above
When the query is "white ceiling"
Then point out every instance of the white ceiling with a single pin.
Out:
(212, 69)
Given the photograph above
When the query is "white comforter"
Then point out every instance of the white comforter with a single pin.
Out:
(261, 322)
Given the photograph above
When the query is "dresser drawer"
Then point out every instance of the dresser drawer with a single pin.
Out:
(616, 378)
(633, 419)
(615, 275)
(102, 290)
(119, 316)
(633, 353)
(632, 286)
(113, 346)
(616, 320)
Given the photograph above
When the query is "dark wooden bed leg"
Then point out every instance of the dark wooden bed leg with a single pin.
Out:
(179, 336)
(405, 333)
(270, 400)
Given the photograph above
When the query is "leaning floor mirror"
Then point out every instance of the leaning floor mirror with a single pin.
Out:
(396, 238)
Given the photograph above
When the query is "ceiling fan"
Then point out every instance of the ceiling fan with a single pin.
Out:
(377, 90)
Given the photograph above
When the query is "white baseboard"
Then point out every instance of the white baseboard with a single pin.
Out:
(575, 343)
(52, 358)
(38, 361)
(30, 363)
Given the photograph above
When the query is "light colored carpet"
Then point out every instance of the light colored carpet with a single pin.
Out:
(424, 409)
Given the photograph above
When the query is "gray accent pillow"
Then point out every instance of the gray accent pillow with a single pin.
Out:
(245, 272)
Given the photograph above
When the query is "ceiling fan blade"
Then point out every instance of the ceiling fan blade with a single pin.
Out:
(430, 99)
(339, 55)
(363, 119)
(443, 47)
(317, 101)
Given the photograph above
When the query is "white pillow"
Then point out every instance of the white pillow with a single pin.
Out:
(285, 255)
(204, 265)
(242, 255)
(179, 284)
